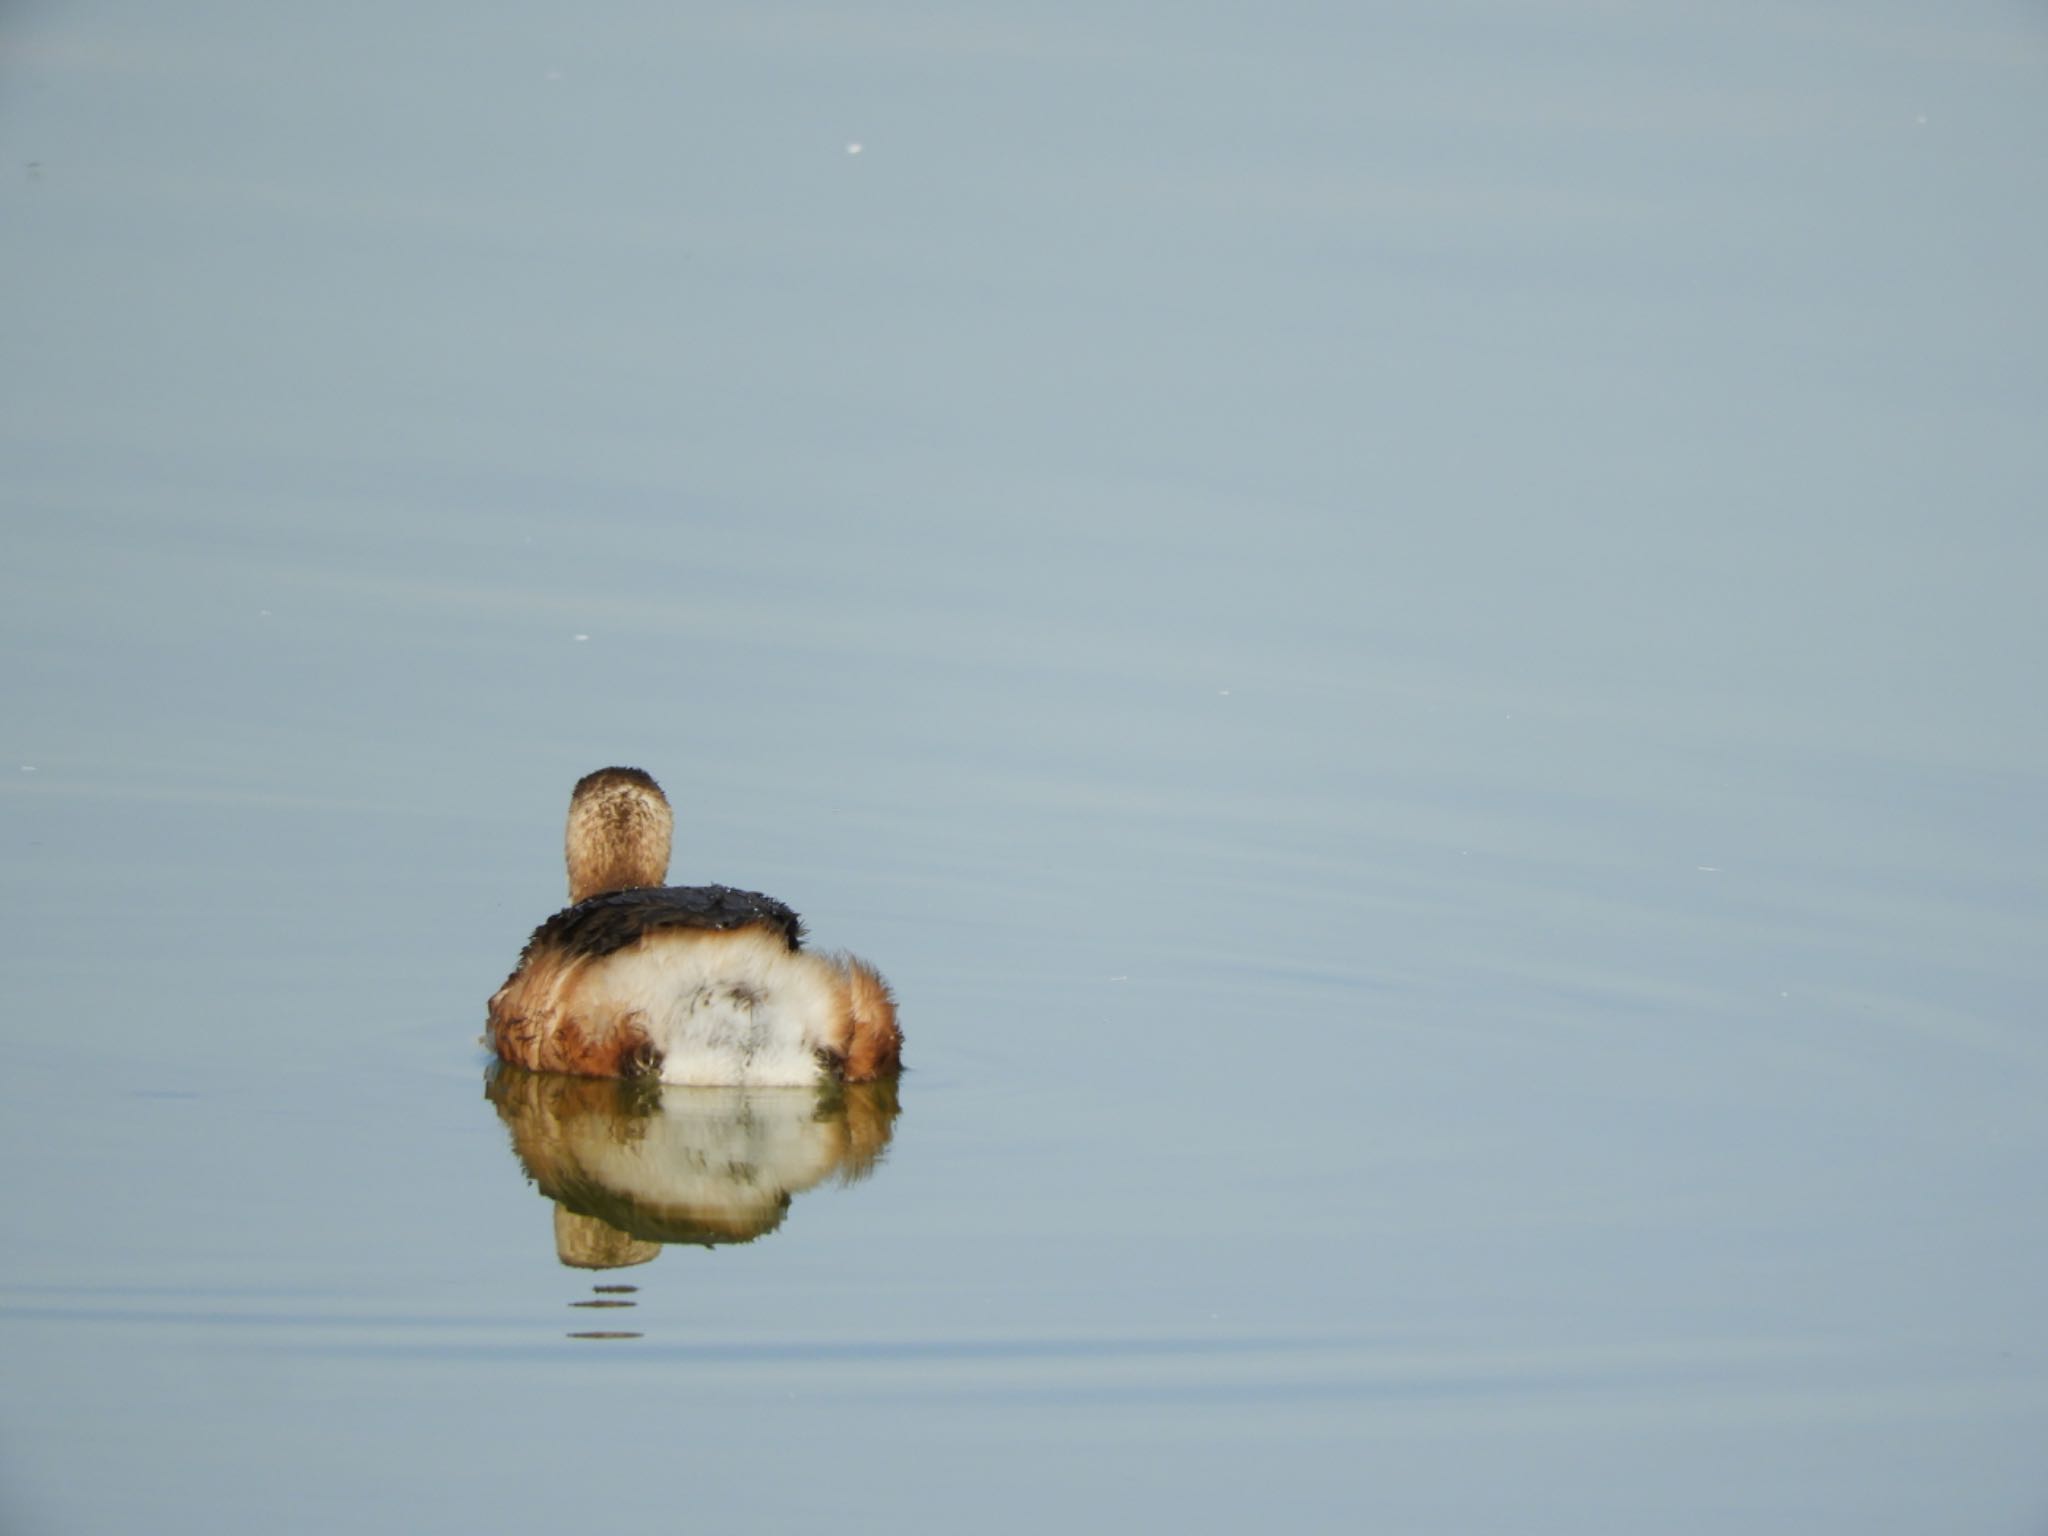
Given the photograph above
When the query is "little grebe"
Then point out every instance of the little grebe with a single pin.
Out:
(690, 984)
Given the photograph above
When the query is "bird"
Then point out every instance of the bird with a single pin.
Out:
(700, 985)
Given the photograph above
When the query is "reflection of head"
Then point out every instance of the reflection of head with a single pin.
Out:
(658, 1164)
(590, 1242)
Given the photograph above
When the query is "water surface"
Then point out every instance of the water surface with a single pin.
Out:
(1415, 641)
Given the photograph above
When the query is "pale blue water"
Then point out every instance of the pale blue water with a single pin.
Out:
(1414, 638)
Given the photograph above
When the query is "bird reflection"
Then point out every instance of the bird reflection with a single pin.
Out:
(632, 1165)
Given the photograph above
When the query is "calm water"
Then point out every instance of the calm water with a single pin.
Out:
(1416, 640)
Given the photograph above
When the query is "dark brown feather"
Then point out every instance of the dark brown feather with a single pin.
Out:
(609, 922)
